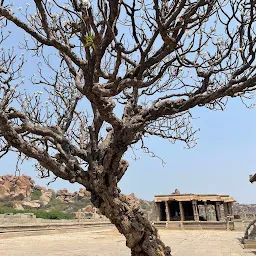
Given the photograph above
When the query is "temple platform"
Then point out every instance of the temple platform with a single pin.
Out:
(194, 225)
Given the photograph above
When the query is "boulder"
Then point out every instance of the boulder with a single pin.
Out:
(64, 195)
(83, 193)
(15, 188)
(46, 197)
(88, 208)
(133, 200)
(32, 204)
(88, 212)
(79, 214)
(4, 193)
(40, 188)
(17, 205)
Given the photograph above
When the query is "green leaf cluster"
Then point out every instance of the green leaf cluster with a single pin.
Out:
(89, 41)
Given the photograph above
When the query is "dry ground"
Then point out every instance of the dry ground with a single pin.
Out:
(106, 241)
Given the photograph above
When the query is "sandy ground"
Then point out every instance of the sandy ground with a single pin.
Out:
(108, 242)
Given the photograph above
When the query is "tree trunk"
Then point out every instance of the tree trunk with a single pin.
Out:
(141, 237)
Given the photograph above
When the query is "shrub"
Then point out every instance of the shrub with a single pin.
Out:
(7, 209)
(52, 215)
(35, 194)
(80, 203)
(56, 205)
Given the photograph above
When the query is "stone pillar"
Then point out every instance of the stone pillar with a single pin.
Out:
(206, 210)
(181, 211)
(217, 210)
(222, 216)
(230, 209)
(167, 211)
(195, 210)
(158, 211)
(225, 205)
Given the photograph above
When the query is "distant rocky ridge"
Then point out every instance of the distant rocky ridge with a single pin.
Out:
(21, 188)
(21, 192)
(246, 211)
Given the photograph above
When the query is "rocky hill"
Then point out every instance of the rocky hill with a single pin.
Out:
(245, 211)
(21, 193)
(15, 188)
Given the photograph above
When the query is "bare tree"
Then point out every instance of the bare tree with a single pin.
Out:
(115, 71)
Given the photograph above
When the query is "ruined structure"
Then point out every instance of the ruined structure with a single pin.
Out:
(194, 210)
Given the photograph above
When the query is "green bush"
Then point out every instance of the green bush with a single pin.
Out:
(36, 194)
(6, 209)
(56, 205)
(51, 215)
(74, 206)
(81, 203)
(6, 204)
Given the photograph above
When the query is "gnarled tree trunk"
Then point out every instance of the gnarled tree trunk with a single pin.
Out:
(141, 237)
(105, 172)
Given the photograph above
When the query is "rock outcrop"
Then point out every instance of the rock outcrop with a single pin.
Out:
(17, 205)
(46, 194)
(89, 212)
(22, 193)
(64, 195)
(14, 188)
(83, 193)
(19, 189)
(32, 204)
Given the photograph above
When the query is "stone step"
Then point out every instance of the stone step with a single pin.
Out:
(249, 244)
(177, 225)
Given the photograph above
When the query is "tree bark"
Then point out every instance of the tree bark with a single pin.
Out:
(141, 237)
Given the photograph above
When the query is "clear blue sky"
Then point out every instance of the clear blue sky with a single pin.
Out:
(220, 163)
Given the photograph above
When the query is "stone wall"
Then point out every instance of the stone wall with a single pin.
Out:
(29, 218)
(17, 218)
